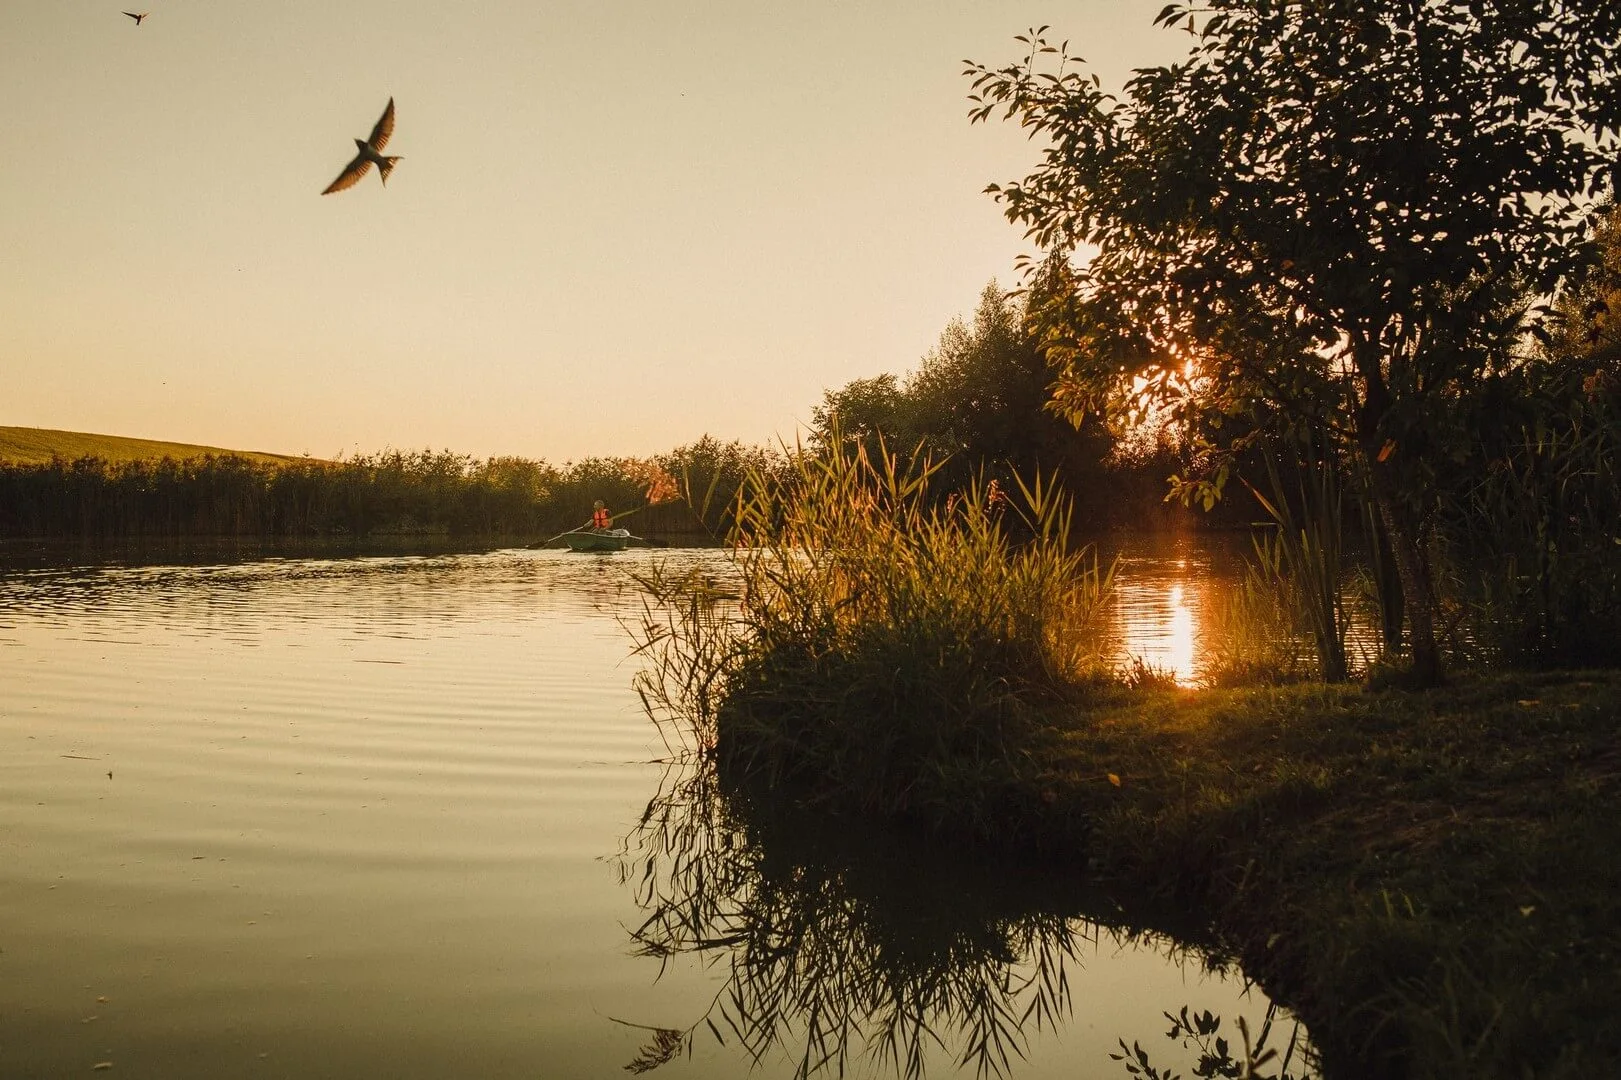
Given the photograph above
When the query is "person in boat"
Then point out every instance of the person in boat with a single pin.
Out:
(601, 520)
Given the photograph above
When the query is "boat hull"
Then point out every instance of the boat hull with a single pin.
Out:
(598, 540)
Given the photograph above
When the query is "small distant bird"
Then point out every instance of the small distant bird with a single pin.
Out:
(368, 153)
(136, 17)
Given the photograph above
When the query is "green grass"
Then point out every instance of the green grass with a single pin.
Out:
(1432, 881)
(30, 446)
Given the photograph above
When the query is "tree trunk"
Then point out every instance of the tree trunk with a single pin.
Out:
(1391, 608)
(1402, 524)
(1413, 569)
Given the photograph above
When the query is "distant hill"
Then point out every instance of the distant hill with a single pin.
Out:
(28, 445)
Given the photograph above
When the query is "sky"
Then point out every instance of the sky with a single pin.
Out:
(617, 226)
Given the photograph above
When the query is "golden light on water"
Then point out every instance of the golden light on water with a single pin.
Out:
(1180, 639)
(1158, 623)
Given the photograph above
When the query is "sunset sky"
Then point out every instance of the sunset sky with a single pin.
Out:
(617, 226)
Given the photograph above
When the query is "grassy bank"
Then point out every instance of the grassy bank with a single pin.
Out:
(1432, 881)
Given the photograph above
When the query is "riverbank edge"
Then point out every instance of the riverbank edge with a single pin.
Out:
(1430, 881)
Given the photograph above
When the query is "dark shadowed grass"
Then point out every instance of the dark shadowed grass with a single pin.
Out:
(1432, 881)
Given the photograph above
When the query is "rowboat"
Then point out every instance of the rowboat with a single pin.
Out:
(598, 539)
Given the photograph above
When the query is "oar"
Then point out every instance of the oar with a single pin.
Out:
(583, 524)
(559, 536)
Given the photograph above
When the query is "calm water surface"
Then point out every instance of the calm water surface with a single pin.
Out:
(379, 817)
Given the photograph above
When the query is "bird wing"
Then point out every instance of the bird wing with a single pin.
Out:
(350, 176)
(385, 128)
(136, 17)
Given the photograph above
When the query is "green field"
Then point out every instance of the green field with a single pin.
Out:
(27, 445)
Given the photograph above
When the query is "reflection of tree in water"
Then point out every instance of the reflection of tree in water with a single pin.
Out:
(848, 950)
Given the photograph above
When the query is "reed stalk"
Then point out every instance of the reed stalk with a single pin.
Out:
(887, 649)
(1302, 557)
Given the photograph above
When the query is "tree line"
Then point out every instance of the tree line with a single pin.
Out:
(979, 405)
(391, 493)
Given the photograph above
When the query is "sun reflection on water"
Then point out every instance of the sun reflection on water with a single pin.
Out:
(1158, 617)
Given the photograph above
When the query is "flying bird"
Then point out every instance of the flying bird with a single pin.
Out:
(136, 17)
(368, 153)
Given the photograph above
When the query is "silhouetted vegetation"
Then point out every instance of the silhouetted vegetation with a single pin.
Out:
(978, 407)
(890, 650)
(1324, 210)
(1533, 527)
(1322, 252)
(385, 494)
(1257, 1057)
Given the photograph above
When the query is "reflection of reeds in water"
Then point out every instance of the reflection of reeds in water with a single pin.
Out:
(847, 951)
(1256, 1057)
(1193, 614)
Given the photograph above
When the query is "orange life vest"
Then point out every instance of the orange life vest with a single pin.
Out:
(601, 519)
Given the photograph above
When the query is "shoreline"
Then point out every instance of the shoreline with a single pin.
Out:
(1430, 881)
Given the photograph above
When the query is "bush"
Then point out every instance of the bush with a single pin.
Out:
(890, 652)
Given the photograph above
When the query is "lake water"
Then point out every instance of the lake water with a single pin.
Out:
(380, 817)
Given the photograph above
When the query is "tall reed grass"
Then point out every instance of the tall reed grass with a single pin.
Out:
(388, 493)
(888, 651)
(1301, 560)
(1541, 533)
(1253, 637)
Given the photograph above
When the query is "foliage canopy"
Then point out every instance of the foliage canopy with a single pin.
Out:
(1324, 207)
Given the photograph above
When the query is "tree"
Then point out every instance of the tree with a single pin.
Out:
(708, 475)
(977, 401)
(864, 411)
(981, 396)
(1589, 330)
(1322, 208)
